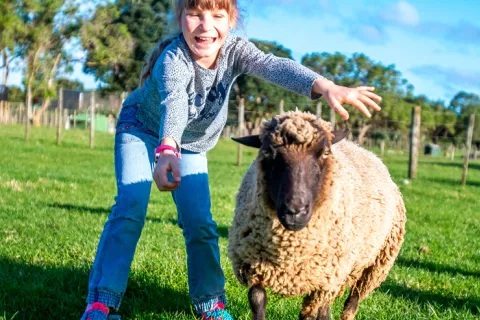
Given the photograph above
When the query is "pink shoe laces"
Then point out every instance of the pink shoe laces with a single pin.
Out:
(217, 313)
(97, 306)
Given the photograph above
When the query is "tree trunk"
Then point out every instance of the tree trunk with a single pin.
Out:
(37, 115)
(363, 132)
(5, 60)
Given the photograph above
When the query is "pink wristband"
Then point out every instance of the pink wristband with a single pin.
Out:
(159, 149)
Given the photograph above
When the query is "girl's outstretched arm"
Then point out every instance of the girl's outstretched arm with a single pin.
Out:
(291, 75)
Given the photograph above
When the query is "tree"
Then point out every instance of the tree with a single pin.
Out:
(118, 38)
(70, 84)
(15, 94)
(49, 25)
(464, 104)
(11, 27)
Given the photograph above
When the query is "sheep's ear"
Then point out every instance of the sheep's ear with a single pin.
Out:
(339, 135)
(250, 141)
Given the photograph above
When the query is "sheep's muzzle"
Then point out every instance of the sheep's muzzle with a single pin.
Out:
(295, 217)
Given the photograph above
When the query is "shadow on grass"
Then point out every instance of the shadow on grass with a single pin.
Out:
(433, 267)
(473, 166)
(429, 298)
(221, 230)
(454, 182)
(46, 292)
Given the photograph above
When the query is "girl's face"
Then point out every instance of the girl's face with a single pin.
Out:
(205, 32)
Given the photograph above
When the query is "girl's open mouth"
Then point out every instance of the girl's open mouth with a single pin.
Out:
(205, 40)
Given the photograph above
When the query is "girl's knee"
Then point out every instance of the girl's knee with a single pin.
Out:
(198, 227)
(129, 208)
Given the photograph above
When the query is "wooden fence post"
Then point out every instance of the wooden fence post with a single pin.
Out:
(59, 115)
(471, 123)
(414, 142)
(45, 118)
(319, 110)
(8, 112)
(241, 116)
(55, 119)
(92, 119)
(66, 119)
(74, 119)
(332, 117)
(280, 107)
(27, 121)
(452, 152)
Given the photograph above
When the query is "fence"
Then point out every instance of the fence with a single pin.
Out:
(77, 109)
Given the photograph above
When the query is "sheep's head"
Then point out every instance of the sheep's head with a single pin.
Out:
(293, 147)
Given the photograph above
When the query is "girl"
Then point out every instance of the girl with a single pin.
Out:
(170, 122)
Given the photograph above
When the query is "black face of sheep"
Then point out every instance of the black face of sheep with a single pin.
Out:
(292, 178)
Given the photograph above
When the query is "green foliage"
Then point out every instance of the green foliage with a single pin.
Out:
(118, 39)
(70, 84)
(464, 104)
(52, 214)
(16, 94)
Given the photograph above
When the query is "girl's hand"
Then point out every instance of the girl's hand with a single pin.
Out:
(167, 162)
(337, 95)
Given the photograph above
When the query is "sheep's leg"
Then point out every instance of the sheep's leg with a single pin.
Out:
(257, 297)
(351, 305)
(312, 308)
(324, 313)
(374, 275)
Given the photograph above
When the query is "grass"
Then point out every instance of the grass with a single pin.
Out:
(54, 201)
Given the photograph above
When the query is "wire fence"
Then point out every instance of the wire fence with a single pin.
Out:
(76, 113)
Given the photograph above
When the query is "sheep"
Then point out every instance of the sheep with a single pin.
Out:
(315, 215)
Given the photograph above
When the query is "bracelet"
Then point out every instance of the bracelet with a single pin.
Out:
(159, 149)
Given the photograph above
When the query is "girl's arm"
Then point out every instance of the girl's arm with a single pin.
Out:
(291, 75)
(172, 78)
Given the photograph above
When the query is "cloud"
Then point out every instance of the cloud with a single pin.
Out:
(304, 7)
(368, 33)
(464, 32)
(372, 22)
(372, 27)
(401, 13)
(449, 77)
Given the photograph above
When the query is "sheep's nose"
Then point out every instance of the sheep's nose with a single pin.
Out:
(303, 210)
(296, 210)
(294, 218)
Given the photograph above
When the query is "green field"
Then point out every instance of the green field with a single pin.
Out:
(54, 201)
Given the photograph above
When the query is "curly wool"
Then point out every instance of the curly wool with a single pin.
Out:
(358, 221)
(296, 129)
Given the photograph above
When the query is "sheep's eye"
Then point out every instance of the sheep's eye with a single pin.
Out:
(323, 153)
(269, 152)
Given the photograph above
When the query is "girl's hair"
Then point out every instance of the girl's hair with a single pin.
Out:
(179, 6)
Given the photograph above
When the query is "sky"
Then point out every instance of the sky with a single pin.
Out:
(434, 44)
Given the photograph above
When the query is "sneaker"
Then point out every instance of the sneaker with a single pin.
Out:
(98, 311)
(217, 313)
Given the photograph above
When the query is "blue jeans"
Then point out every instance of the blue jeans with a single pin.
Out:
(134, 161)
